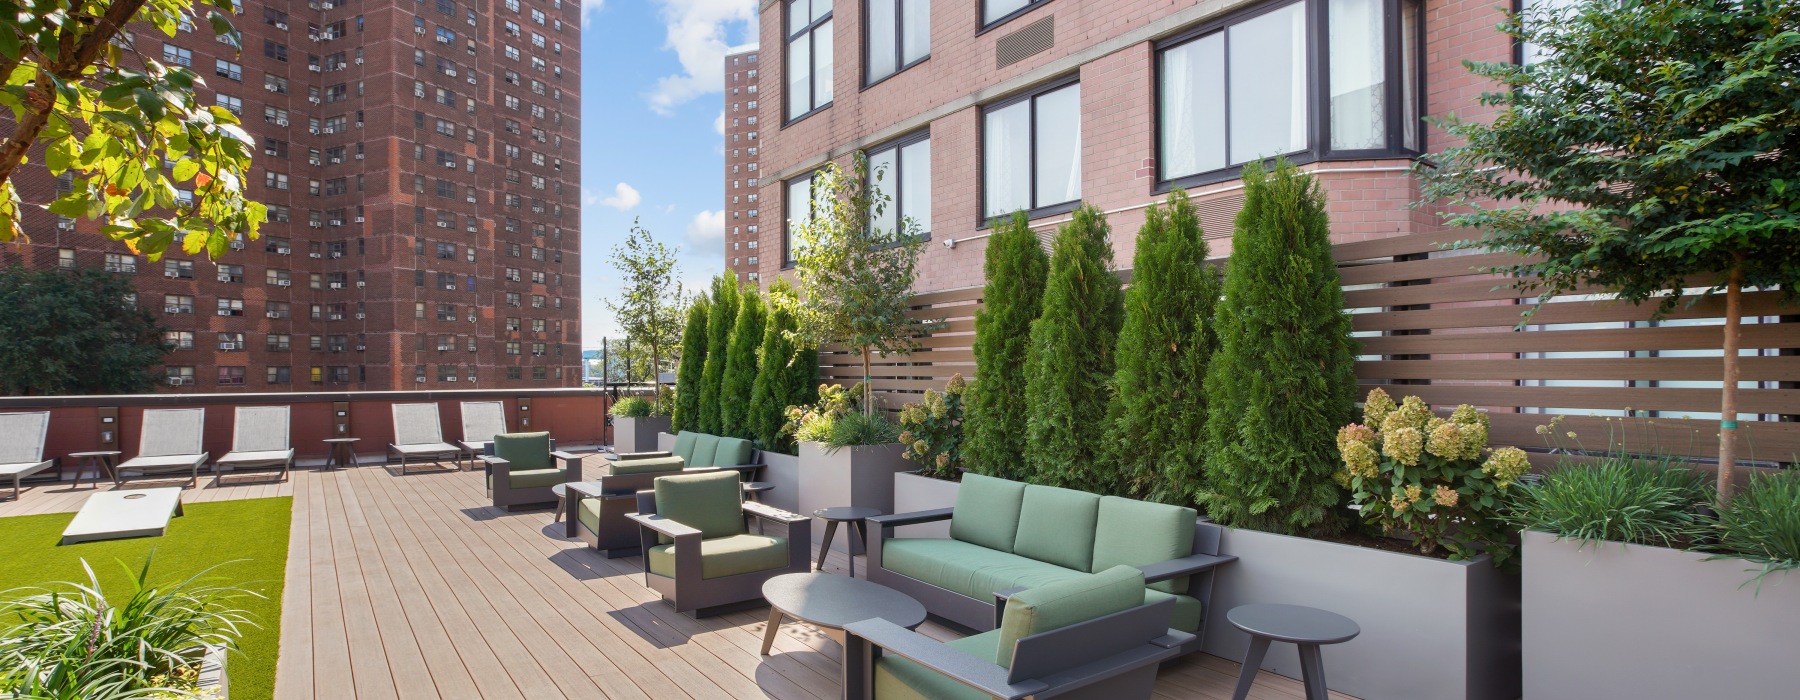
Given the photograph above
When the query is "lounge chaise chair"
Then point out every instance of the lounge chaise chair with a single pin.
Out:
(22, 445)
(417, 433)
(481, 421)
(168, 443)
(259, 438)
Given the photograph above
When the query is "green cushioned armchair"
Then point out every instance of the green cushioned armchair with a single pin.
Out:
(594, 511)
(1091, 636)
(523, 468)
(697, 551)
(703, 450)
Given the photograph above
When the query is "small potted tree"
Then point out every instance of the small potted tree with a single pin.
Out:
(650, 310)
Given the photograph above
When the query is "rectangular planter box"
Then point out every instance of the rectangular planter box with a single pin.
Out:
(664, 442)
(637, 434)
(784, 472)
(915, 493)
(1431, 629)
(852, 476)
(212, 673)
(1633, 621)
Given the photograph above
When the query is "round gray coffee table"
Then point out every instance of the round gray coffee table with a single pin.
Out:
(830, 602)
(1305, 627)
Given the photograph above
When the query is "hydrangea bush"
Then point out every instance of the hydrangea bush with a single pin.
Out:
(933, 431)
(1412, 472)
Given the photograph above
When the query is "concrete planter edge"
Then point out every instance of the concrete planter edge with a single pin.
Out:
(852, 476)
(638, 434)
(915, 492)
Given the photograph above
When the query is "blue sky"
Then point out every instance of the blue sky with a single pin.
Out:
(651, 149)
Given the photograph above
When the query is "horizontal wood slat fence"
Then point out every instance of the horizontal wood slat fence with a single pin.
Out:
(1436, 323)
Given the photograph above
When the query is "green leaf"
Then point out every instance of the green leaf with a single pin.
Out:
(186, 169)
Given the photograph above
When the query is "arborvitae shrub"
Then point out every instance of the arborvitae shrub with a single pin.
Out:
(740, 367)
(718, 339)
(1158, 409)
(788, 374)
(994, 426)
(1282, 381)
(1071, 359)
(693, 363)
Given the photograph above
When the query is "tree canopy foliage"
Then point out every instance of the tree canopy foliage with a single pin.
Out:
(650, 304)
(1015, 267)
(1071, 359)
(74, 332)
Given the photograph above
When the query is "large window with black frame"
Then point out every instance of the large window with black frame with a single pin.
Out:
(1306, 79)
(898, 36)
(900, 176)
(798, 201)
(809, 57)
(1031, 152)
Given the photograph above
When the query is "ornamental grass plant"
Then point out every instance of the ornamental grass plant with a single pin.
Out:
(1762, 524)
(631, 407)
(1623, 497)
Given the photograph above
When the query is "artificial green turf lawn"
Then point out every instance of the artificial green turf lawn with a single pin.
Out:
(254, 530)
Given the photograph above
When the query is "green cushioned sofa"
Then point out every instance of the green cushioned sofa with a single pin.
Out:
(1006, 535)
(698, 551)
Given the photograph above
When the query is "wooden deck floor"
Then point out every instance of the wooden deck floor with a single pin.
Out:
(413, 587)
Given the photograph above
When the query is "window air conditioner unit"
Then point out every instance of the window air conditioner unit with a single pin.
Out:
(359, 124)
(449, 379)
(224, 278)
(337, 285)
(450, 287)
(177, 381)
(443, 224)
(224, 312)
(359, 285)
(471, 80)
(284, 251)
(281, 122)
(359, 220)
(273, 314)
(315, 224)
(284, 283)
(231, 346)
(418, 30)
(313, 129)
(471, 318)
(330, 5)
(314, 68)
(171, 273)
(269, 151)
(337, 222)
(312, 161)
(315, 256)
(360, 348)
(359, 62)
(171, 309)
(360, 316)
(450, 72)
(451, 166)
(281, 26)
(66, 225)
(315, 38)
(471, 199)
(268, 86)
(342, 65)
(335, 161)
(334, 317)
(330, 130)
(359, 156)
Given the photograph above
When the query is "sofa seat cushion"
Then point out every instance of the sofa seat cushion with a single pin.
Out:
(536, 478)
(1056, 605)
(1141, 533)
(1057, 526)
(1187, 609)
(987, 512)
(969, 569)
(899, 678)
(649, 465)
(587, 512)
(726, 556)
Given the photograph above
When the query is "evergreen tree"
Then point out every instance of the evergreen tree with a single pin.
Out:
(740, 367)
(693, 363)
(1282, 382)
(1164, 348)
(789, 372)
(994, 423)
(1071, 359)
(718, 340)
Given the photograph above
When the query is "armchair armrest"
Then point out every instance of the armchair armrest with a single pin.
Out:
(619, 456)
(496, 467)
(914, 518)
(1184, 566)
(662, 525)
(491, 460)
(571, 464)
(559, 454)
(930, 653)
(583, 489)
(771, 513)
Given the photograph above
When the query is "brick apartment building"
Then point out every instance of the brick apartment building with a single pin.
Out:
(742, 210)
(421, 164)
(981, 108)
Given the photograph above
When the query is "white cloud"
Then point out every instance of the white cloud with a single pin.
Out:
(589, 8)
(698, 32)
(624, 198)
(706, 233)
(719, 124)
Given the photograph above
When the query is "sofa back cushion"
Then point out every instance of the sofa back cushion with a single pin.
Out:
(987, 512)
(1053, 606)
(711, 502)
(525, 451)
(732, 452)
(1141, 533)
(1057, 526)
(705, 446)
(684, 445)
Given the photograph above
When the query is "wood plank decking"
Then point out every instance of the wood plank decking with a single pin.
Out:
(413, 587)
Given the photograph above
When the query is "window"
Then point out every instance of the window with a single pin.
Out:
(236, 105)
(179, 376)
(178, 340)
(1031, 152)
(277, 342)
(280, 375)
(231, 341)
(231, 376)
(899, 35)
(231, 307)
(178, 56)
(1244, 88)
(799, 202)
(116, 262)
(276, 51)
(809, 56)
(178, 269)
(227, 69)
(275, 180)
(1540, 11)
(902, 172)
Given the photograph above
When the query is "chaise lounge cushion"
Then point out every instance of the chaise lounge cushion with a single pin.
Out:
(1057, 526)
(987, 512)
(899, 678)
(710, 502)
(1057, 605)
(1141, 533)
(726, 556)
(647, 466)
(969, 569)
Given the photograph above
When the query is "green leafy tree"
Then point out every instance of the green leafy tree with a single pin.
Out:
(1015, 266)
(740, 366)
(1653, 144)
(788, 376)
(74, 333)
(855, 279)
(1164, 348)
(693, 364)
(80, 95)
(1283, 379)
(718, 344)
(650, 303)
(1071, 358)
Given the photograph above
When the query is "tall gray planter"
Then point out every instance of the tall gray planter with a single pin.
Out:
(212, 673)
(637, 434)
(913, 493)
(852, 476)
(784, 472)
(1617, 620)
(1431, 629)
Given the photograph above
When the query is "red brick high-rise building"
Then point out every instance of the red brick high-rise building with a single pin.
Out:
(742, 211)
(421, 165)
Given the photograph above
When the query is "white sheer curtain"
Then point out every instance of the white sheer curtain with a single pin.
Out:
(1058, 146)
(1358, 75)
(880, 31)
(1268, 84)
(884, 178)
(1193, 107)
(822, 75)
(1005, 163)
(915, 183)
(915, 30)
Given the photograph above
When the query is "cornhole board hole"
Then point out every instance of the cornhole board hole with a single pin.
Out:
(111, 515)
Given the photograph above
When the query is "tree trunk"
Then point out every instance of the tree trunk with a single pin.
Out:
(868, 390)
(656, 370)
(1734, 292)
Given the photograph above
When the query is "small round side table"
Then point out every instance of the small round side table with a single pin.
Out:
(1305, 627)
(855, 515)
(101, 461)
(342, 452)
(753, 489)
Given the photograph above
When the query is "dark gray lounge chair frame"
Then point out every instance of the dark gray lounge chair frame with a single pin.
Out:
(703, 597)
(1108, 657)
(979, 615)
(499, 478)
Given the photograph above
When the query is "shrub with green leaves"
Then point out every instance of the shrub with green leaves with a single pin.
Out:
(788, 375)
(1071, 359)
(740, 367)
(1164, 348)
(719, 322)
(631, 407)
(1762, 524)
(932, 430)
(686, 415)
(1622, 498)
(1012, 299)
(1283, 378)
(838, 421)
(664, 406)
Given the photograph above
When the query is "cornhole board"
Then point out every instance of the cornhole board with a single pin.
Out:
(111, 515)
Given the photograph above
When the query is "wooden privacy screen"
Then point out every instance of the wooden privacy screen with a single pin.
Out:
(1430, 320)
